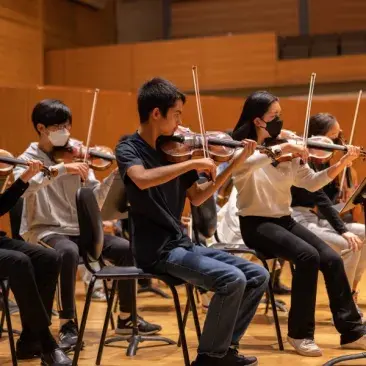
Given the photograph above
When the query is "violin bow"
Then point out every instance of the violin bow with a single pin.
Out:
(308, 109)
(199, 111)
(91, 123)
(351, 137)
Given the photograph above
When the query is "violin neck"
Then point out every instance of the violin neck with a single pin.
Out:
(13, 161)
(227, 143)
(325, 146)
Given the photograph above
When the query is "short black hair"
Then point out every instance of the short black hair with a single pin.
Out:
(256, 105)
(50, 112)
(157, 93)
(320, 124)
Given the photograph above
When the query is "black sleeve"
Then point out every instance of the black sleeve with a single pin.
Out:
(10, 197)
(190, 178)
(326, 208)
(126, 157)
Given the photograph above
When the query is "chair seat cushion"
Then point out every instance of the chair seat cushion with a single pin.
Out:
(233, 248)
(116, 271)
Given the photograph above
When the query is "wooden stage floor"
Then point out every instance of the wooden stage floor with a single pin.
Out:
(260, 339)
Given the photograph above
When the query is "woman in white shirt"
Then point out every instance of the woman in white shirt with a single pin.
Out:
(263, 202)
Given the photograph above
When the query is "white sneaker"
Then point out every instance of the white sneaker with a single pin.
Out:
(359, 344)
(305, 347)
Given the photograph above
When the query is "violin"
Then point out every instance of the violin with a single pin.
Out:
(321, 148)
(99, 158)
(185, 144)
(7, 163)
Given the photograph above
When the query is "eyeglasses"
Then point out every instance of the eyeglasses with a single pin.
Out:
(60, 126)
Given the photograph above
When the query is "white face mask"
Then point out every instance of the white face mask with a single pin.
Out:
(59, 137)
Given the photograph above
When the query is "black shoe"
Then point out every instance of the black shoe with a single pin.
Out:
(56, 357)
(281, 289)
(27, 349)
(124, 326)
(232, 358)
(68, 335)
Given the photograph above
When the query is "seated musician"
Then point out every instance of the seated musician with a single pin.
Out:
(32, 272)
(264, 199)
(330, 227)
(156, 191)
(50, 215)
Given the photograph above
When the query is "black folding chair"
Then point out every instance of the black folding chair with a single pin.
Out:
(91, 244)
(6, 316)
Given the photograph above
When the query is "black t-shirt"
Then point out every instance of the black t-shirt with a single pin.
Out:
(156, 212)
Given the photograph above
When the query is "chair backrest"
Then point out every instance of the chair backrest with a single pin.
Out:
(15, 215)
(90, 225)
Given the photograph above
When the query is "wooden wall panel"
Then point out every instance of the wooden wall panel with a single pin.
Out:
(68, 24)
(96, 67)
(233, 61)
(335, 16)
(328, 69)
(140, 20)
(21, 53)
(218, 17)
(223, 62)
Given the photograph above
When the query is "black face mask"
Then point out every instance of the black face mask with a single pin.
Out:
(274, 127)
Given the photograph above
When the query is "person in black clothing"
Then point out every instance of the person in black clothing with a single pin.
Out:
(32, 271)
(326, 222)
(156, 191)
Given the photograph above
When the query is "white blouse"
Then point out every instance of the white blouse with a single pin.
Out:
(265, 190)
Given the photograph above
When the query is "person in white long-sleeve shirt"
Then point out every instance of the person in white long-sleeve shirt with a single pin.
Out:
(264, 209)
(50, 216)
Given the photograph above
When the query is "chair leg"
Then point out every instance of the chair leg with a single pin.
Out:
(180, 326)
(185, 317)
(107, 297)
(272, 279)
(105, 326)
(274, 309)
(5, 290)
(192, 302)
(83, 321)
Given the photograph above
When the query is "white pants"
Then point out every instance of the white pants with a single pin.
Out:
(354, 262)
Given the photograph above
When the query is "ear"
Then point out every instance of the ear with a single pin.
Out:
(40, 128)
(258, 122)
(155, 114)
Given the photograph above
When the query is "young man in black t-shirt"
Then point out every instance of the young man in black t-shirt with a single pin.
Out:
(156, 191)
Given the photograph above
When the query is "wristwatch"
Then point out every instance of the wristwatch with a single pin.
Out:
(277, 151)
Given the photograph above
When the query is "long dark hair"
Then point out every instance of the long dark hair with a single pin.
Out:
(256, 105)
(320, 124)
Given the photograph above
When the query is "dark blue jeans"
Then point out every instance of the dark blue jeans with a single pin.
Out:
(238, 285)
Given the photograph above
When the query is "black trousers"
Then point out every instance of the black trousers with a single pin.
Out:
(284, 238)
(115, 249)
(33, 272)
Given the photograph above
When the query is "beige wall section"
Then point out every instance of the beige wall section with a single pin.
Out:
(139, 20)
(21, 45)
(328, 16)
(217, 17)
(68, 24)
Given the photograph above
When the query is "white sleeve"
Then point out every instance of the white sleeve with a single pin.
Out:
(305, 177)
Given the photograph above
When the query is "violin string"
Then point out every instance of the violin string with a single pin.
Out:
(199, 111)
(351, 137)
(308, 108)
(91, 122)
